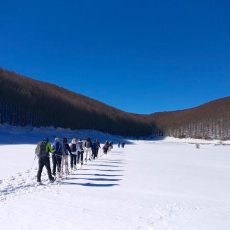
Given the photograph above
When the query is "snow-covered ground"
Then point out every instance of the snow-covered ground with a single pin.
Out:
(162, 185)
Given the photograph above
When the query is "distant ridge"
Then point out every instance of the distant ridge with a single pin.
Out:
(208, 121)
(24, 101)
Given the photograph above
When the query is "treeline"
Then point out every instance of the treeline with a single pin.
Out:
(24, 101)
(209, 121)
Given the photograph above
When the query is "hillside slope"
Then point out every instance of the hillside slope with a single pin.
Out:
(24, 101)
(211, 120)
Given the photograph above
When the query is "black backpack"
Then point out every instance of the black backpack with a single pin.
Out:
(73, 148)
(40, 150)
(81, 145)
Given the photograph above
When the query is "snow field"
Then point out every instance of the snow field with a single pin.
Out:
(162, 185)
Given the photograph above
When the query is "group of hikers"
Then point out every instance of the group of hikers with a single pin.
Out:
(78, 152)
(121, 144)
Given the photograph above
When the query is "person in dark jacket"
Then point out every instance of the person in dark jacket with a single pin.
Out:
(42, 151)
(88, 149)
(65, 155)
(110, 145)
(95, 147)
(73, 156)
(106, 147)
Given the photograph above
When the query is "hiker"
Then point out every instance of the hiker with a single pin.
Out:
(57, 150)
(65, 155)
(80, 150)
(42, 151)
(106, 147)
(110, 145)
(73, 155)
(119, 144)
(98, 146)
(88, 149)
(95, 148)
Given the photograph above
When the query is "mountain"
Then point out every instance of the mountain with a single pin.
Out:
(24, 101)
(208, 121)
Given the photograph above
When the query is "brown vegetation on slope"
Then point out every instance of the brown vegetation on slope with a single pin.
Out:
(209, 121)
(24, 101)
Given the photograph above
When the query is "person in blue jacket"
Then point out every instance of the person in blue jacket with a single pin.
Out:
(57, 151)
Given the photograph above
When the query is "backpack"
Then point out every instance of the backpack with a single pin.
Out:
(81, 145)
(88, 144)
(40, 150)
(73, 148)
(57, 147)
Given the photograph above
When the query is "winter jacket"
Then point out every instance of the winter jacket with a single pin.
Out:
(73, 146)
(48, 148)
(98, 145)
(80, 146)
(94, 146)
(66, 149)
(57, 148)
(88, 144)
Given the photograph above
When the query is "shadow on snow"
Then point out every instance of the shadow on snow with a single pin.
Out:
(89, 184)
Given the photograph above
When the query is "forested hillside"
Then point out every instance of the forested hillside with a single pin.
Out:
(208, 121)
(24, 101)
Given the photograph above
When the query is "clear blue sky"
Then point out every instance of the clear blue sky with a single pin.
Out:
(140, 56)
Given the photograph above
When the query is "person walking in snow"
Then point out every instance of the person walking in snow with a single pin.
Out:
(95, 147)
(98, 146)
(57, 150)
(110, 145)
(80, 150)
(94, 150)
(73, 155)
(65, 155)
(88, 149)
(106, 147)
(119, 144)
(42, 151)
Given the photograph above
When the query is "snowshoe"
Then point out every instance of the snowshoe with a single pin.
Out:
(52, 180)
(39, 183)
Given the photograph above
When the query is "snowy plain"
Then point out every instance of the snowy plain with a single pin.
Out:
(165, 184)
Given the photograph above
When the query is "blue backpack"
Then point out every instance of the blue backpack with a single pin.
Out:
(58, 148)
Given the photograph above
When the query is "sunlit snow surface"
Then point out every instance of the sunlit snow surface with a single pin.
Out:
(160, 185)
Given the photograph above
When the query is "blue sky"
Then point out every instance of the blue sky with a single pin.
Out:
(140, 56)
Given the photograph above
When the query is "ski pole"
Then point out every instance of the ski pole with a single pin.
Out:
(33, 163)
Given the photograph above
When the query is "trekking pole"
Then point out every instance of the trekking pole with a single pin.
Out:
(33, 163)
